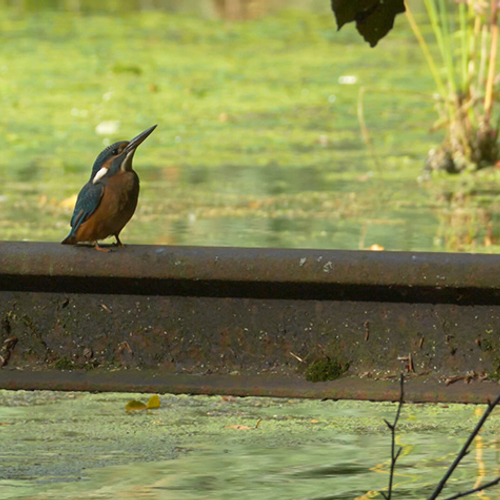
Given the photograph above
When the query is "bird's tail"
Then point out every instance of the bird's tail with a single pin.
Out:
(70, 239)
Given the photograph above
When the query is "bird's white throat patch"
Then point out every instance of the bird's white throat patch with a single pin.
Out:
(99, 175)
(127, 162)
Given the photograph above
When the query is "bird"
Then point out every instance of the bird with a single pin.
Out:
(108, 200)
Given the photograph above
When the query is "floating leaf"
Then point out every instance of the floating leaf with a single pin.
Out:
(244, 427)
(126, 68)
(133, 405)
(154, 402)
(68, 202)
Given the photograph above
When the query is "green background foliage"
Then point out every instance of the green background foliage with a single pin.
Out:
(258, 142)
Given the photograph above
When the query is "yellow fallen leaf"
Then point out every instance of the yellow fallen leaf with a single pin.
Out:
(377, 248)
(133, 405)
(153, 402)
(239, 427)
(314, 421)
(68, 202)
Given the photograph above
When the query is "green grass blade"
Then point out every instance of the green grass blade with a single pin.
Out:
(447, 44)
(464, 46)
(424, 46)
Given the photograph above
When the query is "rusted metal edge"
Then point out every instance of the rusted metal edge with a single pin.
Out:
(259, 321)
(253, 272)
(417, 390)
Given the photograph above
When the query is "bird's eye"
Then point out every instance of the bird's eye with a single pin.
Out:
(114, 152)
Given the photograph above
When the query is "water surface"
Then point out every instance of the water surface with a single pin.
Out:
(258, 142)
(78, 445)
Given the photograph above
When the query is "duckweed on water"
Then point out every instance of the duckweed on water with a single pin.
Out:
(258, 141)
(76, 445)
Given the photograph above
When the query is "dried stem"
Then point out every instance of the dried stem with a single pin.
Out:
(488, 101)
(475, 490)
(394, 454)
(364, 129)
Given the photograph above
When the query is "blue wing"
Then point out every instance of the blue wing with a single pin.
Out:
(87, 202)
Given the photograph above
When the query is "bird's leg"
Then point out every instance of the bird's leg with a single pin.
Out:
(100, 249)
(118, 242)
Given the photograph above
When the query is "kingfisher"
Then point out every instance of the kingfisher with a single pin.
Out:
(107, 202)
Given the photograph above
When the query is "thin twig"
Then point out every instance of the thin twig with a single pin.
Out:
(464, 451)
(364, 130)
(392, 427)
(365, 134)
(297, 357)
(475, 490)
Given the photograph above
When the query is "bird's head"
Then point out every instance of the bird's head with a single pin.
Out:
(117, 157)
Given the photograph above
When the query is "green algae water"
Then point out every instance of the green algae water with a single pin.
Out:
(79, 445)
(258, 144)
(258, 140)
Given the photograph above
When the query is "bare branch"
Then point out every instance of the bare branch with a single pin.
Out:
(475, 490)
(395, 455)
(464, 451)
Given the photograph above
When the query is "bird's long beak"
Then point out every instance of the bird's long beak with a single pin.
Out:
(138, 140)
(123, 161)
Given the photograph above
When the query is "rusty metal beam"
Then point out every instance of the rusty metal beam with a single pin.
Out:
(243, 313)
(416, 390)
(252, 272)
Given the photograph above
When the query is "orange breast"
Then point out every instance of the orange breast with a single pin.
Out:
(118, 204)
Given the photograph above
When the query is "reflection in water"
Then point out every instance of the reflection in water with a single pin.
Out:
(468, 221)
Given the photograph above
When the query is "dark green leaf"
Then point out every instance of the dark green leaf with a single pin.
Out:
(373, 18)
(135, 405)
(346, 11)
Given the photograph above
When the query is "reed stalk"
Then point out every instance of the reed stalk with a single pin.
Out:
(462, 62)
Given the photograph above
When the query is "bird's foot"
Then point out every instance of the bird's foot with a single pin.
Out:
(118, 243)
(100, 249)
